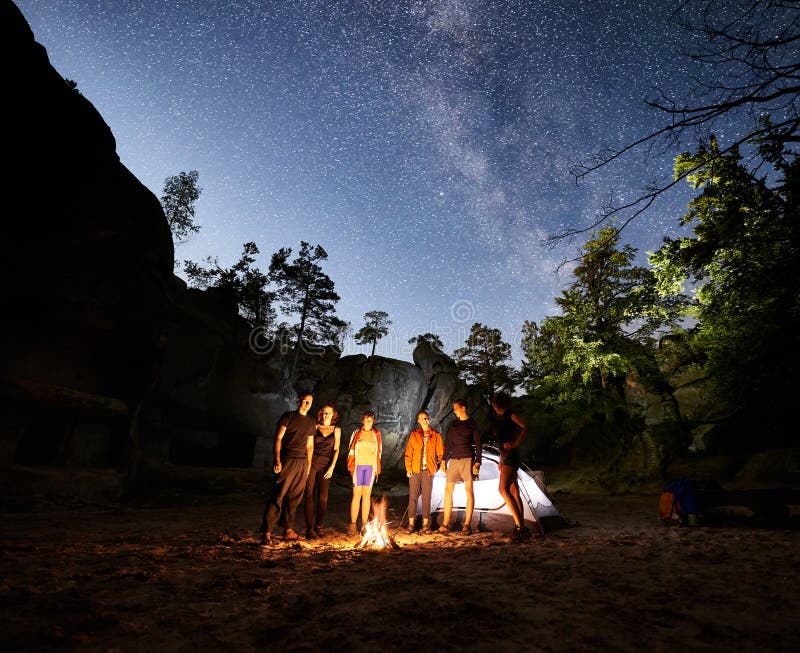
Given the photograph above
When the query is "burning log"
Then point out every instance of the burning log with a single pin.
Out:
(376, 535)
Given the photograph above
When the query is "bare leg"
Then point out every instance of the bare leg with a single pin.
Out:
(355, 504)
(448, 502)
(508, 477)
(470, 504)
(514, 490)
(366, 495)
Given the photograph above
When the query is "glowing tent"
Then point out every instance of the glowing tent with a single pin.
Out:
(490, 511)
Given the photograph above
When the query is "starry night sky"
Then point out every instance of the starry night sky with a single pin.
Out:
(425, 144)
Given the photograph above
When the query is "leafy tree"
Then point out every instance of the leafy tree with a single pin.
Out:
(304, 290)
(483, 360)
(247, 283)
(744, 259)
(376, 326)
(179, 196)
(608, 317)
(745, 55)
(431, 338)
(544, 353)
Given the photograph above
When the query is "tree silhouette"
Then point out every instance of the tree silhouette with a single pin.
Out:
(431, 338)
(483, 360)
(376, 326)
(178, 198)
(247, 283)
(304, 290)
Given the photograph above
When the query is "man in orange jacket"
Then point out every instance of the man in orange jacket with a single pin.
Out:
(424, 455)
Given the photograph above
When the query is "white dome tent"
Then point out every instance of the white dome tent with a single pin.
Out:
(490, 511)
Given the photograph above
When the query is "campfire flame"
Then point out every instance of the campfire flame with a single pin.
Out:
(376, 535)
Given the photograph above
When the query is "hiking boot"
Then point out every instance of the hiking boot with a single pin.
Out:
(467, 530)
(290, 536)
(351, 529)
(266, 539)
(519, 534)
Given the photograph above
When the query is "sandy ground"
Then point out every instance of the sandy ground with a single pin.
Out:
(191, 576)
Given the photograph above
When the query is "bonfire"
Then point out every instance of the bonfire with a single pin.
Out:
(376, 535)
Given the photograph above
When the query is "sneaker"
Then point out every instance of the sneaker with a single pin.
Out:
(351, 529)
(444, 528)
(290, 536)
(426, 530)
(467, 530)
(266, 539)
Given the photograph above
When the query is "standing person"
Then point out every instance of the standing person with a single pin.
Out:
(294, 445)
(423, 456)
(364, 463)
(463, 460)
(510, 431)
(323, 460)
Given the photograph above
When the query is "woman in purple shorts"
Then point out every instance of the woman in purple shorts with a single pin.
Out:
(364, 463)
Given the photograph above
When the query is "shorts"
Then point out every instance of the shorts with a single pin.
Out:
(510, 457)
(460, 469)
(362, 476)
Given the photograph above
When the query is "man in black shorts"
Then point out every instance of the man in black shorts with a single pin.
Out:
(462, 453)
(294, 445)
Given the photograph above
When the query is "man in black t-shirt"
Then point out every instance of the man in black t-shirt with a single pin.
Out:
(462, 453)
(294, 446)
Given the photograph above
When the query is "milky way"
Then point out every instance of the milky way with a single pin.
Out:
(427, 145)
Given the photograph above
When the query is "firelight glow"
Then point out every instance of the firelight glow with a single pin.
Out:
(376, 534)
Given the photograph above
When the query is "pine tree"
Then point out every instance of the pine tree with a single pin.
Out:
(247, 283)
(609, 314)
(432, 339)
(483, 360)
(376, 326)
(304, 290)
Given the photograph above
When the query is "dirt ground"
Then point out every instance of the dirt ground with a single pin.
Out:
(188, 574)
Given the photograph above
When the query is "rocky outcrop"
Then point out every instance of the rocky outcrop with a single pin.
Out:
(89, 259)
(394, 390)
(444, 386)
(215, 399)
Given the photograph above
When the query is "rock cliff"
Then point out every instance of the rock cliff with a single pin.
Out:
(89, 266)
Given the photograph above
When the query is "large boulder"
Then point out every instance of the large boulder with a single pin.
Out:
(90, 257)
(431, 361)
(394, 390)
(698, 403)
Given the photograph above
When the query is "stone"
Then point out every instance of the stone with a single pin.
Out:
(395, 391)
(698, 403)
